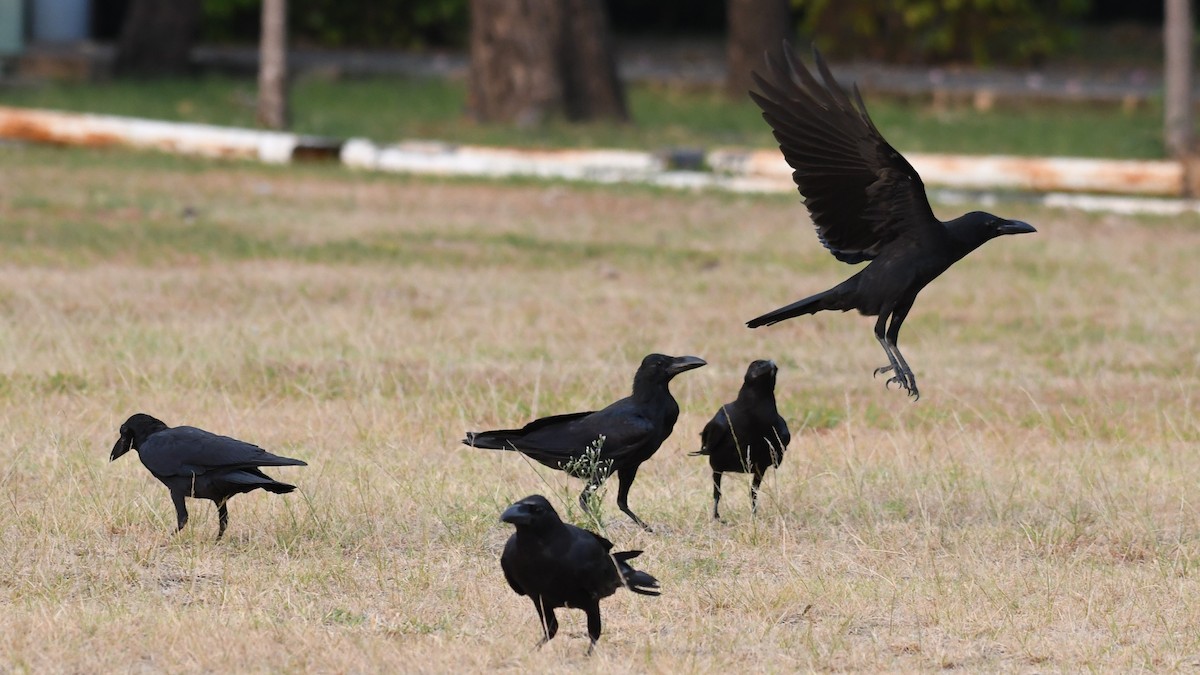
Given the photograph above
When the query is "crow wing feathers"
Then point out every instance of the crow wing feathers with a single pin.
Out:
(184, 451)
(561, 438)
(861, 193)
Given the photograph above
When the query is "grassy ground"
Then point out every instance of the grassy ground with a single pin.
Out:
(395, 109)
(1036, 510)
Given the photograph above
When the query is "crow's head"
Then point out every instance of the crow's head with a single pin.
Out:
(533, 512)
(977, 227)
(660, 368)
(134, 432)
(762, 372)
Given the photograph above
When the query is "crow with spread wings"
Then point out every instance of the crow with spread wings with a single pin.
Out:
(866, 201)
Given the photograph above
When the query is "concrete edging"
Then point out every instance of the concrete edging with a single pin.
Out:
(735, 170)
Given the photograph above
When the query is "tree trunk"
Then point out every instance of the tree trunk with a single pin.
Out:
(157, 37)
(534, 59)
(591, 87)
(273, 110)
(754, 27)
(1177, 38)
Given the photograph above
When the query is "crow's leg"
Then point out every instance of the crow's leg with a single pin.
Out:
(887, 335)
(549, 623)
(881, 335)
(755, 483)
(181, 514)
(593, 619)
(904, 375)
(625, 478)
(585, 499)
(716, 494)
(222, 518)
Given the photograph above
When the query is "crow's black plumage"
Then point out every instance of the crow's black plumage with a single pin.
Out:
(192, 462)
(866, 201)
(632, 430)
(559, 565)
(746, 435)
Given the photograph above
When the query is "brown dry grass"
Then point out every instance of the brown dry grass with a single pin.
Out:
(1034, 511)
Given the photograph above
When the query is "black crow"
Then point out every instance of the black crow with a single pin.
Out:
(628, 432)
(192, 462)
(866, 201)
(747, 435)
(559, 565)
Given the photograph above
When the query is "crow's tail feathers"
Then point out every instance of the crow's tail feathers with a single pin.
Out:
(833, 298)
(278, 488)
(492, 440)
(253, 478)
(635, 580)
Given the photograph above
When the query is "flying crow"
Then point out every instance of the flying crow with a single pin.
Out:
(867, 203)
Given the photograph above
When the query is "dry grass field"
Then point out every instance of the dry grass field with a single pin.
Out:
(1037, 510)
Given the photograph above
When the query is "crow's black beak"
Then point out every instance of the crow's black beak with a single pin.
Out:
(1016, 227)
(682, 363)
(517, 514)
(124, 445)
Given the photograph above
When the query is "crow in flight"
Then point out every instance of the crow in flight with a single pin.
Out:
(192, 462)
(866, 202)
(559, 565)
(628, 432)
(747, 435)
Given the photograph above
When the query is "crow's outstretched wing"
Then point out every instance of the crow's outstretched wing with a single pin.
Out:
(861, 193)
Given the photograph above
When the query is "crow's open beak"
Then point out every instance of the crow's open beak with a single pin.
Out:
(682, 363)
(124, 445)
(1016, 227)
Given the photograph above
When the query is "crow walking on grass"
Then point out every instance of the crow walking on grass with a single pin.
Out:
(627, 432)
(559, 565)
(747, 435)
(867, 203)
(192, 462)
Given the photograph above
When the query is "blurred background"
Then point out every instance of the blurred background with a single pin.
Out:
(1087, 78)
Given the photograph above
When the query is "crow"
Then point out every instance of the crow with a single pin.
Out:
(747, 435)
(194, 463)
(627, 432)
(867, 203)
(559, 565)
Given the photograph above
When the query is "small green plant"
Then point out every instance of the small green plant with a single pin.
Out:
(594, 469)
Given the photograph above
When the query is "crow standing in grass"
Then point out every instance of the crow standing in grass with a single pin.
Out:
(559, 565)
(192, 462)
(632, 430)
(866, 202)
(747, 435)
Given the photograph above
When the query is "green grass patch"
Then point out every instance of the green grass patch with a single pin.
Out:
(389, 109)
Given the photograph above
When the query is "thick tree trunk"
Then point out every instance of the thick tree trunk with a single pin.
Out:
(592, 88)
(534, 59)
(157, 37)
(754, 27)
(513, 63)
(273, 110)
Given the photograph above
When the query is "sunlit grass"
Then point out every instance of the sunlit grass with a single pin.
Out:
(1034, 511)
